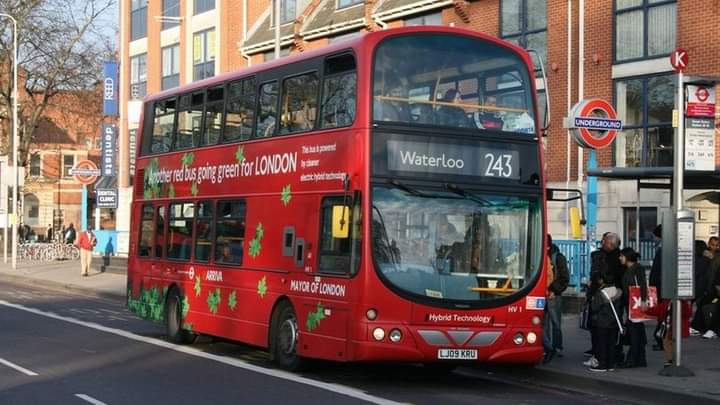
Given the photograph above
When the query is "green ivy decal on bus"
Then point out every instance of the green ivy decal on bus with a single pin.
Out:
(171, 191)
(194, 188)
(188, 327)
(255, 245)
(185, 306)
(240, 154)
(214, 300)
(197, 287)
(187, 159)
(232, 300)
(150, 304)
(314, 318)
(262, 287)
(285, 195)
(150, 185)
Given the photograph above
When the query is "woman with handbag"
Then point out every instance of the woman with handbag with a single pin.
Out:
(634, 275)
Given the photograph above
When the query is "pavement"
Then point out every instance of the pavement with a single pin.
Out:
(701, 356)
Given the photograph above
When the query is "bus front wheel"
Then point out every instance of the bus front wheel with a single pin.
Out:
(173, 320)
(284, 338)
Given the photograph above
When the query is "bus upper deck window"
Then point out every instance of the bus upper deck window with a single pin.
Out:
(214, 111)
(267, 113)
(339, 92)
(163, 126)
(240, 110)
(299, 103)
(189, 120)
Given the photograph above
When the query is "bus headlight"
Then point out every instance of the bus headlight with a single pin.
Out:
(518, 339)
(371, 314)
(395, 335)
(536, 320)
(378, 334)
(531, 337)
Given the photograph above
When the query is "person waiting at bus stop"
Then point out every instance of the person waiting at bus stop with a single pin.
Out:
(558, 280)
(86, 241)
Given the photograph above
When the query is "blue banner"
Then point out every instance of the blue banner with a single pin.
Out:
(109, 146)
(110, 89)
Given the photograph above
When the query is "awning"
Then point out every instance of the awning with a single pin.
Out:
(695, 180)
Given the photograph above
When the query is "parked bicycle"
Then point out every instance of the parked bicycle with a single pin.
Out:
(47, 252)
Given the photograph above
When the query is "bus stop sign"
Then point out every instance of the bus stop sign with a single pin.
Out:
(679, 59)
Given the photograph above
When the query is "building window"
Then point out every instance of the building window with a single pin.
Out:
(31, 210)
(68, 163)
(171, 8)
(138, 19)
(348, 3)
(644, 28)
(288, 11)
(204, 54)
(427, 19)
(645, 104)
(170, 67)
(201, 6)
(138, 76)
(35, 170)
(270, 55)
(524, 23)
(648, 221)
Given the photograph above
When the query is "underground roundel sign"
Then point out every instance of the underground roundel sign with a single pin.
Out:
(593, 123)
(85, 172)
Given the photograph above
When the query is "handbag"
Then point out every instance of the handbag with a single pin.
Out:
(585, 316)
(636, 313)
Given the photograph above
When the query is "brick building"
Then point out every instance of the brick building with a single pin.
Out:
(625, 44)
(69, 132)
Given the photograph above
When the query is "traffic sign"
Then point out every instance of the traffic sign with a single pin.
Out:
(594, 123)
(85, 172)
(679, 59)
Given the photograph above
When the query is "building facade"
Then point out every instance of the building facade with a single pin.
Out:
(617, 50)
(68, 133)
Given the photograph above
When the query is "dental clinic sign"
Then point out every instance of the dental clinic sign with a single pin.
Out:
(593, 123)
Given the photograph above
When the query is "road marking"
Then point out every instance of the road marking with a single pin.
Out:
(18, 368)
(284, 375)
(90, 399)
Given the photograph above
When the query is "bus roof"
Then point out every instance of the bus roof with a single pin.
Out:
(357, 44)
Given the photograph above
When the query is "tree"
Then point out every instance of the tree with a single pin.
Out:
(61, 47)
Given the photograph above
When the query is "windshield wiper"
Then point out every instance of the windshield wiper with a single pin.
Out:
(470, 196)
(404, 187)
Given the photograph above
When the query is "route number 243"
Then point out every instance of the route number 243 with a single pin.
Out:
(498, 165)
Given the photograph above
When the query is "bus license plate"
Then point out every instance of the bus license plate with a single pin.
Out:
(457, 354)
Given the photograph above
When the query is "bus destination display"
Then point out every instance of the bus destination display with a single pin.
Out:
(464, 160)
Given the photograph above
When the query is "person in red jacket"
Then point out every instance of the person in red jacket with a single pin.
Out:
(85, 242)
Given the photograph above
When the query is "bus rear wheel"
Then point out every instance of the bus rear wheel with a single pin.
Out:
(284, 338)
(173, 320)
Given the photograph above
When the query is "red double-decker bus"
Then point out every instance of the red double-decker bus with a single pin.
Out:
(380, 199)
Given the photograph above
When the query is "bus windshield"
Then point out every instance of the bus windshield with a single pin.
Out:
(467, 247)
(452, 81)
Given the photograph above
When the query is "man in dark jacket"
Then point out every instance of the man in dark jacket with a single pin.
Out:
(606, 324)
(552, 330)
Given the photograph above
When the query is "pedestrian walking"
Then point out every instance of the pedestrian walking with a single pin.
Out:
(85, 243)
(656, 281)
(634, 276)
(552, 329)
(49, 233)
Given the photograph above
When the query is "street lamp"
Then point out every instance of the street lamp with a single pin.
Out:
(15, 147)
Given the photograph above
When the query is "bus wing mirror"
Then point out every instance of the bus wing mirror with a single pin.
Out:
(340, 221)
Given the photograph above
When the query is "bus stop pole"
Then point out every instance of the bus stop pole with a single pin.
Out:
(676, 369)
(678, 186)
